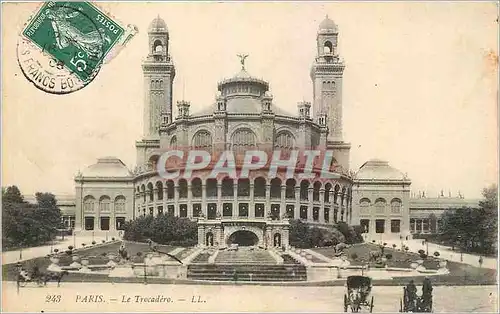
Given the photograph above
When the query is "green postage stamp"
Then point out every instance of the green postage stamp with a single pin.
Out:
(64, 45)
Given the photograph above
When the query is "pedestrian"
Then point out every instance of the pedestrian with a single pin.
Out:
(480, 261)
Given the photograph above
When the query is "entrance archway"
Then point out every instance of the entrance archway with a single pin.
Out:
(209, 239)
(243, 238)
(277, 239)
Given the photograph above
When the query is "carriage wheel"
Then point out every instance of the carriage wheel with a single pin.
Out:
(371, 305)
(40, 282)
(345, 303)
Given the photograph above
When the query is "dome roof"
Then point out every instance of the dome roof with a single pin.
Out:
(107, 167)
(328, 25)
(157, 25)
(376, 169)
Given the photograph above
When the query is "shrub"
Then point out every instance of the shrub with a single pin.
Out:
(385, 243)
(394, 246)
(354, 256)
(93, 242)
(56, 250)
(103, 241)
(83, 244)
(373, 241)
(421, 252)
(423, 256)
(69, 252)
(436, 254)
(407, 248)
(113, 239)
(388, 256)
(70, 247)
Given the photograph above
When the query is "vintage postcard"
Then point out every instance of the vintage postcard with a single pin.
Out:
(250, 156)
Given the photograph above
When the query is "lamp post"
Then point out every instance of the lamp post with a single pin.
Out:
(427, 247)
(459, 242)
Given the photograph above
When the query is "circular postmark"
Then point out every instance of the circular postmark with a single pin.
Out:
(46, 72)
(61, 49)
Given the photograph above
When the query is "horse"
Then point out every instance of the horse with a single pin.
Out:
(54, 276)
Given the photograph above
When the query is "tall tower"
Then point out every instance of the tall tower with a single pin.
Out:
(326, 74)
(159, 73)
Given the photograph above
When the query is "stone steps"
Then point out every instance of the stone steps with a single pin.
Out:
(247, 272)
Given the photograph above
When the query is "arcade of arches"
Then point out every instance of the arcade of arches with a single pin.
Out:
(250, 200)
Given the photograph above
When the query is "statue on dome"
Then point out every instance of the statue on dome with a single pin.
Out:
(242, 61)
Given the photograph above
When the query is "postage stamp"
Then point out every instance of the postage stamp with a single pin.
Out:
(63, 47)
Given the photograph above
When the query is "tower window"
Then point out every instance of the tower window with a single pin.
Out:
(327, 47)
(157, 46)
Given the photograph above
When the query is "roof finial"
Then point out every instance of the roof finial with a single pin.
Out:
(242, 61)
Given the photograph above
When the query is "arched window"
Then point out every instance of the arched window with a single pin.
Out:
(120, 204)
(89, 203)
(336, 194)
(304, 190)
(328, 47)
(259, 187)
(150, 192)
(183, 188)
(159, 190)
(243, 187)
(364, 202)
(173, 142)
(157, 46)
(395, 206)
(202, 139)
(143, 189)
(380, 205)
(284, 140)
(227, 187)
(316, 188)
(275, 188)
(243, 139)
(328, 188)
(170, 189)
(290, 189)
(196, 187)
(104, 204)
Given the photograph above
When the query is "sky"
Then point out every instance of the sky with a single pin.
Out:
(420, 86)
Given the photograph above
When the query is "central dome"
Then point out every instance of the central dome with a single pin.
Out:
(243, 84)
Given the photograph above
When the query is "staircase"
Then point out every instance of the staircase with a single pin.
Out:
(245, 256)
(247, 265)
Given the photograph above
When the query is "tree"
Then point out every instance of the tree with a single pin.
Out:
(25, 224)
(433, 223)
(473, 229)
(163, 229)
(298, 234)
(12, 194)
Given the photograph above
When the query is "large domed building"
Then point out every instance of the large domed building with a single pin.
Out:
(252, 210)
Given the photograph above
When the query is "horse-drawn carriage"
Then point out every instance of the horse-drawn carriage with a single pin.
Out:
(37, 277)
(358, 294)
(413, 303)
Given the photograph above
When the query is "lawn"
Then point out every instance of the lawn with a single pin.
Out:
(460, 274)
(399, 259)
(93, 254)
